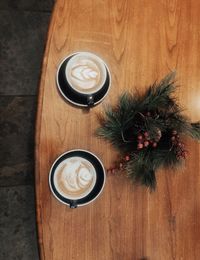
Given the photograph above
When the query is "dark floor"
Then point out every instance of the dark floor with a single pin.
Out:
(23, 31)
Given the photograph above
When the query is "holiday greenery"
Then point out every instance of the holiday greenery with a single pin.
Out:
(148, 130)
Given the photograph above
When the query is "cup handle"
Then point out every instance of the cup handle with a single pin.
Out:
(90, 101)
(73, 204)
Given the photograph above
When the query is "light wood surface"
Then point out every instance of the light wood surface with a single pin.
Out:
(141, 41)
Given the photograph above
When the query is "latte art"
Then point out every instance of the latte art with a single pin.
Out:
(85, 73)
(75, 177)
(86, 76)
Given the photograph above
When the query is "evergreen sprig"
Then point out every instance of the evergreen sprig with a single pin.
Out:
(157, 114)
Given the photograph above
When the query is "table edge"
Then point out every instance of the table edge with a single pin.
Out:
(37, 132)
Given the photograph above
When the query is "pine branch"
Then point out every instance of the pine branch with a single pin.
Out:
(178, 121)
(164, 158)
(127, 103)
(194, 130)
(139, 172)
(158, 95)
(148, 129)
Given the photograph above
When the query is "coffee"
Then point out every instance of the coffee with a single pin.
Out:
(74, 178)
(86, 73)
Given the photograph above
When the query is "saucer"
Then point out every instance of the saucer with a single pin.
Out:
(74, 97)
(100, 178)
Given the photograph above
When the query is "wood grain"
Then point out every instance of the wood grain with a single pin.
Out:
(141, 41)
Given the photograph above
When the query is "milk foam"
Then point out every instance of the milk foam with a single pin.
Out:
(75, 177)
(86, 73)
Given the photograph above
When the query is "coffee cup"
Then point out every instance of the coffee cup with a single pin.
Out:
(77, 177)
(83, 78)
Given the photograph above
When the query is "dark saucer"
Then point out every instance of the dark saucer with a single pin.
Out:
(83, 100)
(100, 178)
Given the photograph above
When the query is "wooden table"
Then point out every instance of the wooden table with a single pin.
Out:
(141, 41)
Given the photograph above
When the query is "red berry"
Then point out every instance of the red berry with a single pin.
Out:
(157, 139)
(113, 171)
(154, 144)
(173, 138)
(148, 113)
(140, 141)
(140, 137)
(146, 143)
(121, 165)
(174, 132)
(146, 134)
(183, 154)
(140, 146)
(127, 157)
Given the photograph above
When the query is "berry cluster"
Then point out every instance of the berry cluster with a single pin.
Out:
(144, 140)
(178, 146)
(120, 166)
